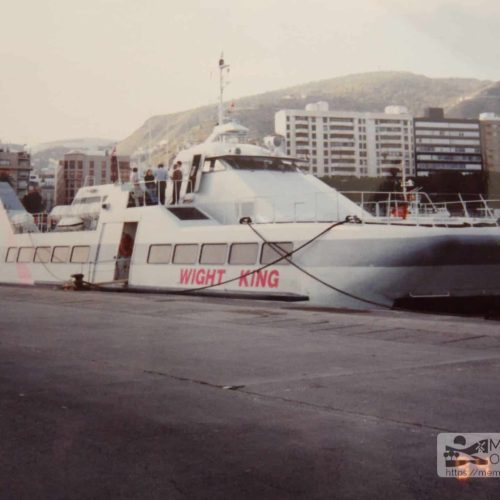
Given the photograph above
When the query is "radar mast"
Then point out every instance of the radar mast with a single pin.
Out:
(222, 85)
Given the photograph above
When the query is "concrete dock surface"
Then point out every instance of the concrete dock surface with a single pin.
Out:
(116, 395)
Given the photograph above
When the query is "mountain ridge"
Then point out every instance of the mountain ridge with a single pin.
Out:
(370, 91)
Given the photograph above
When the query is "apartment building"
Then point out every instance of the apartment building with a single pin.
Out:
(489, 125)
(79, 169)
(446, 144)
(15, 168)
(346, 142)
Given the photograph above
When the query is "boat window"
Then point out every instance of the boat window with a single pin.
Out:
(185, 254)
(88, 200)
(60, 254)
(11, 254)
(42, 254)
(261, 163)
(80, 254)
(214, 253)
(213, 165)
(26, 254)
(243, 253)
(187, 213)
(271, 252)
(160, 254)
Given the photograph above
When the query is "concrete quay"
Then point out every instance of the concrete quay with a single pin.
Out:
(116, 395)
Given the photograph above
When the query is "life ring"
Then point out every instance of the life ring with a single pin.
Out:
(126, 246)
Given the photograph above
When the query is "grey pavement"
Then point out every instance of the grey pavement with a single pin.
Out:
(116, 395)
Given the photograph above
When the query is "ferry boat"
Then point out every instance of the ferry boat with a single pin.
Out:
(250, 223)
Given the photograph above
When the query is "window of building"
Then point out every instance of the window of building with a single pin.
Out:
(42, 254)
(185, 254)
(26, 254)
(160, 254)
(80, 254)
(213, 253)
(61, 254)
(243, 253)
(11, 254)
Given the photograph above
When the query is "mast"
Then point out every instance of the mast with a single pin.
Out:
(222, 67)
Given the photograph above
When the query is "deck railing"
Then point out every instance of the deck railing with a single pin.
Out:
(421, 208)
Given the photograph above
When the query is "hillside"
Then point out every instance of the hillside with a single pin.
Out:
(483, 101)
(360, 92)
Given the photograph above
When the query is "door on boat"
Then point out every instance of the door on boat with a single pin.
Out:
(114, 253)
(194, 175)
(125, 251)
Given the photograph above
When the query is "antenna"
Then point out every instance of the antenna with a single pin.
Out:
(222, 67)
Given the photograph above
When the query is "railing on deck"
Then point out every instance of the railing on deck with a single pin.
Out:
(424, 209)
(149, 195)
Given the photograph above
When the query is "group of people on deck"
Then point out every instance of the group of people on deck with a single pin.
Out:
(155, 185)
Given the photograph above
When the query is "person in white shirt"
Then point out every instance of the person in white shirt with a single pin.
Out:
(161, 182)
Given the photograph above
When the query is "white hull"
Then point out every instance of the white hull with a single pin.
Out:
(373, 264)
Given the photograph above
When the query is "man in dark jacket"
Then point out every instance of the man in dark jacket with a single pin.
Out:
(33, 201)
(177, 178)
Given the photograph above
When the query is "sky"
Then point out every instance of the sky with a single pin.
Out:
(100, 68)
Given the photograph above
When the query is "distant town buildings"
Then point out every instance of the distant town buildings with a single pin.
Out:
(490, 141)
(446, 144)
(79, 169)
(15, 168)
(348, 143)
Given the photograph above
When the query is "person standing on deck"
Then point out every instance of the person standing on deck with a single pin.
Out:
(177, 178)
(136, 187)
(149, 182)
(161, 183)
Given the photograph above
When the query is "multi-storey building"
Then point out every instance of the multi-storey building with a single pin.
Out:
(490, 141)
(348, 143)
(446, 144)
(79, 169)
(15, 168)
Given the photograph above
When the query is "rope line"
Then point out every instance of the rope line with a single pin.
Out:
(272, 263)
(280, 250)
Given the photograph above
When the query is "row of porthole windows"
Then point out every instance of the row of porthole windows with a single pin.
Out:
(59, 254)
(217, 253)
(210, 254)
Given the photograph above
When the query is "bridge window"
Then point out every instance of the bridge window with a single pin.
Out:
(160, 254)
(215, 253)
(243, 253)
(26, 254)
(80, 254)
(213, 165)
(273, 251)
(185, 254)
(42, 254)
